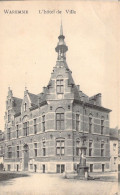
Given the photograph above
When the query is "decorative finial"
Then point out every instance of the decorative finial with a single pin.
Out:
(61, 28)
(25, 87)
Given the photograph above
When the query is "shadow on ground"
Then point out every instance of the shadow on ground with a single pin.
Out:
(7, 176)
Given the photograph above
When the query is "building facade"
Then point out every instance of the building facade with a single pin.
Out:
(113, 149)
(43, 131)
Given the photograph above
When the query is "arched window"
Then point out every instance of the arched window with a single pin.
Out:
(25, 107)
(60, 85)
(60, 119)
(90, 123)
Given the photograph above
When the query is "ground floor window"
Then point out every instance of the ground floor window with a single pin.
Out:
(103, 167)
(43, 168)
(35, 168)
(31, 166)
(91, 167)
(60, 168)
(9, 167)
(17, 167)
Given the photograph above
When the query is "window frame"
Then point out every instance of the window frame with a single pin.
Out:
(43, 123)
(60, 121)
(77, 122)
(26, 128)
(35, 126)
(17, 131)
(10, 152)
(60, 147)
(60, 86)
(78, 148)
(35, 149)
(102, 149)
(18, 151)
(90, 124)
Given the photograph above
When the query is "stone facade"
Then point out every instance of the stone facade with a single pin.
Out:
(43, 131)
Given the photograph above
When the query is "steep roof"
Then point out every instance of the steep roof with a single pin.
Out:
(113, 134)
(17, 105)
(33, 98)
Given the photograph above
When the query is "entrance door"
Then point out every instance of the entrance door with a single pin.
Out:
(26, 157)
(60, 168)
(35, 168)
(91, 167)
(43, 168)
(103, 167)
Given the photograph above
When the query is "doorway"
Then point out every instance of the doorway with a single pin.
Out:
(91, 168)
(60, 168)
(26, 157)
(103, 167)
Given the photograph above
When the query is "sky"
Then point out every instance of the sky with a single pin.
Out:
(28, 41)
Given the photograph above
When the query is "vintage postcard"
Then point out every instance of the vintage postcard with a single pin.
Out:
(60, 97)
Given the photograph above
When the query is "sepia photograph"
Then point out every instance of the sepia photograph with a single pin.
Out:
(60, 98)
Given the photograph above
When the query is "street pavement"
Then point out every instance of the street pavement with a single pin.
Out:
(51, 184)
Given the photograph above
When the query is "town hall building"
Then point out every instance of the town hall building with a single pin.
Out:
(43, 131)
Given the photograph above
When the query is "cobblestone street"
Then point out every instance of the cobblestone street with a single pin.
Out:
(46, 184)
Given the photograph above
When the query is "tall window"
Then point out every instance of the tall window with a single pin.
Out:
(26, 128)
(60, 147)
(90, 148)
(77, 122)
(102, 126)
(35, 149)
(10, 152)
(60, 121)
(17, 131)
(115, 160)
(9, 115)
(114, 147)
(25, 107)
(9, 133)
(35, 126)
(90, 124)
(44, 148)
(102, 149)
(1, 150)
(43, 123)
(18, 151)
(78, 148)
(60, 86)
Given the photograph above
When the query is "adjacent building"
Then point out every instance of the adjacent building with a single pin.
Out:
(113, 149)
(43, 131)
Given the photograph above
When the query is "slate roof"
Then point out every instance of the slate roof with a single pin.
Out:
(33, 98)
(113, 134)
(17, 105)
